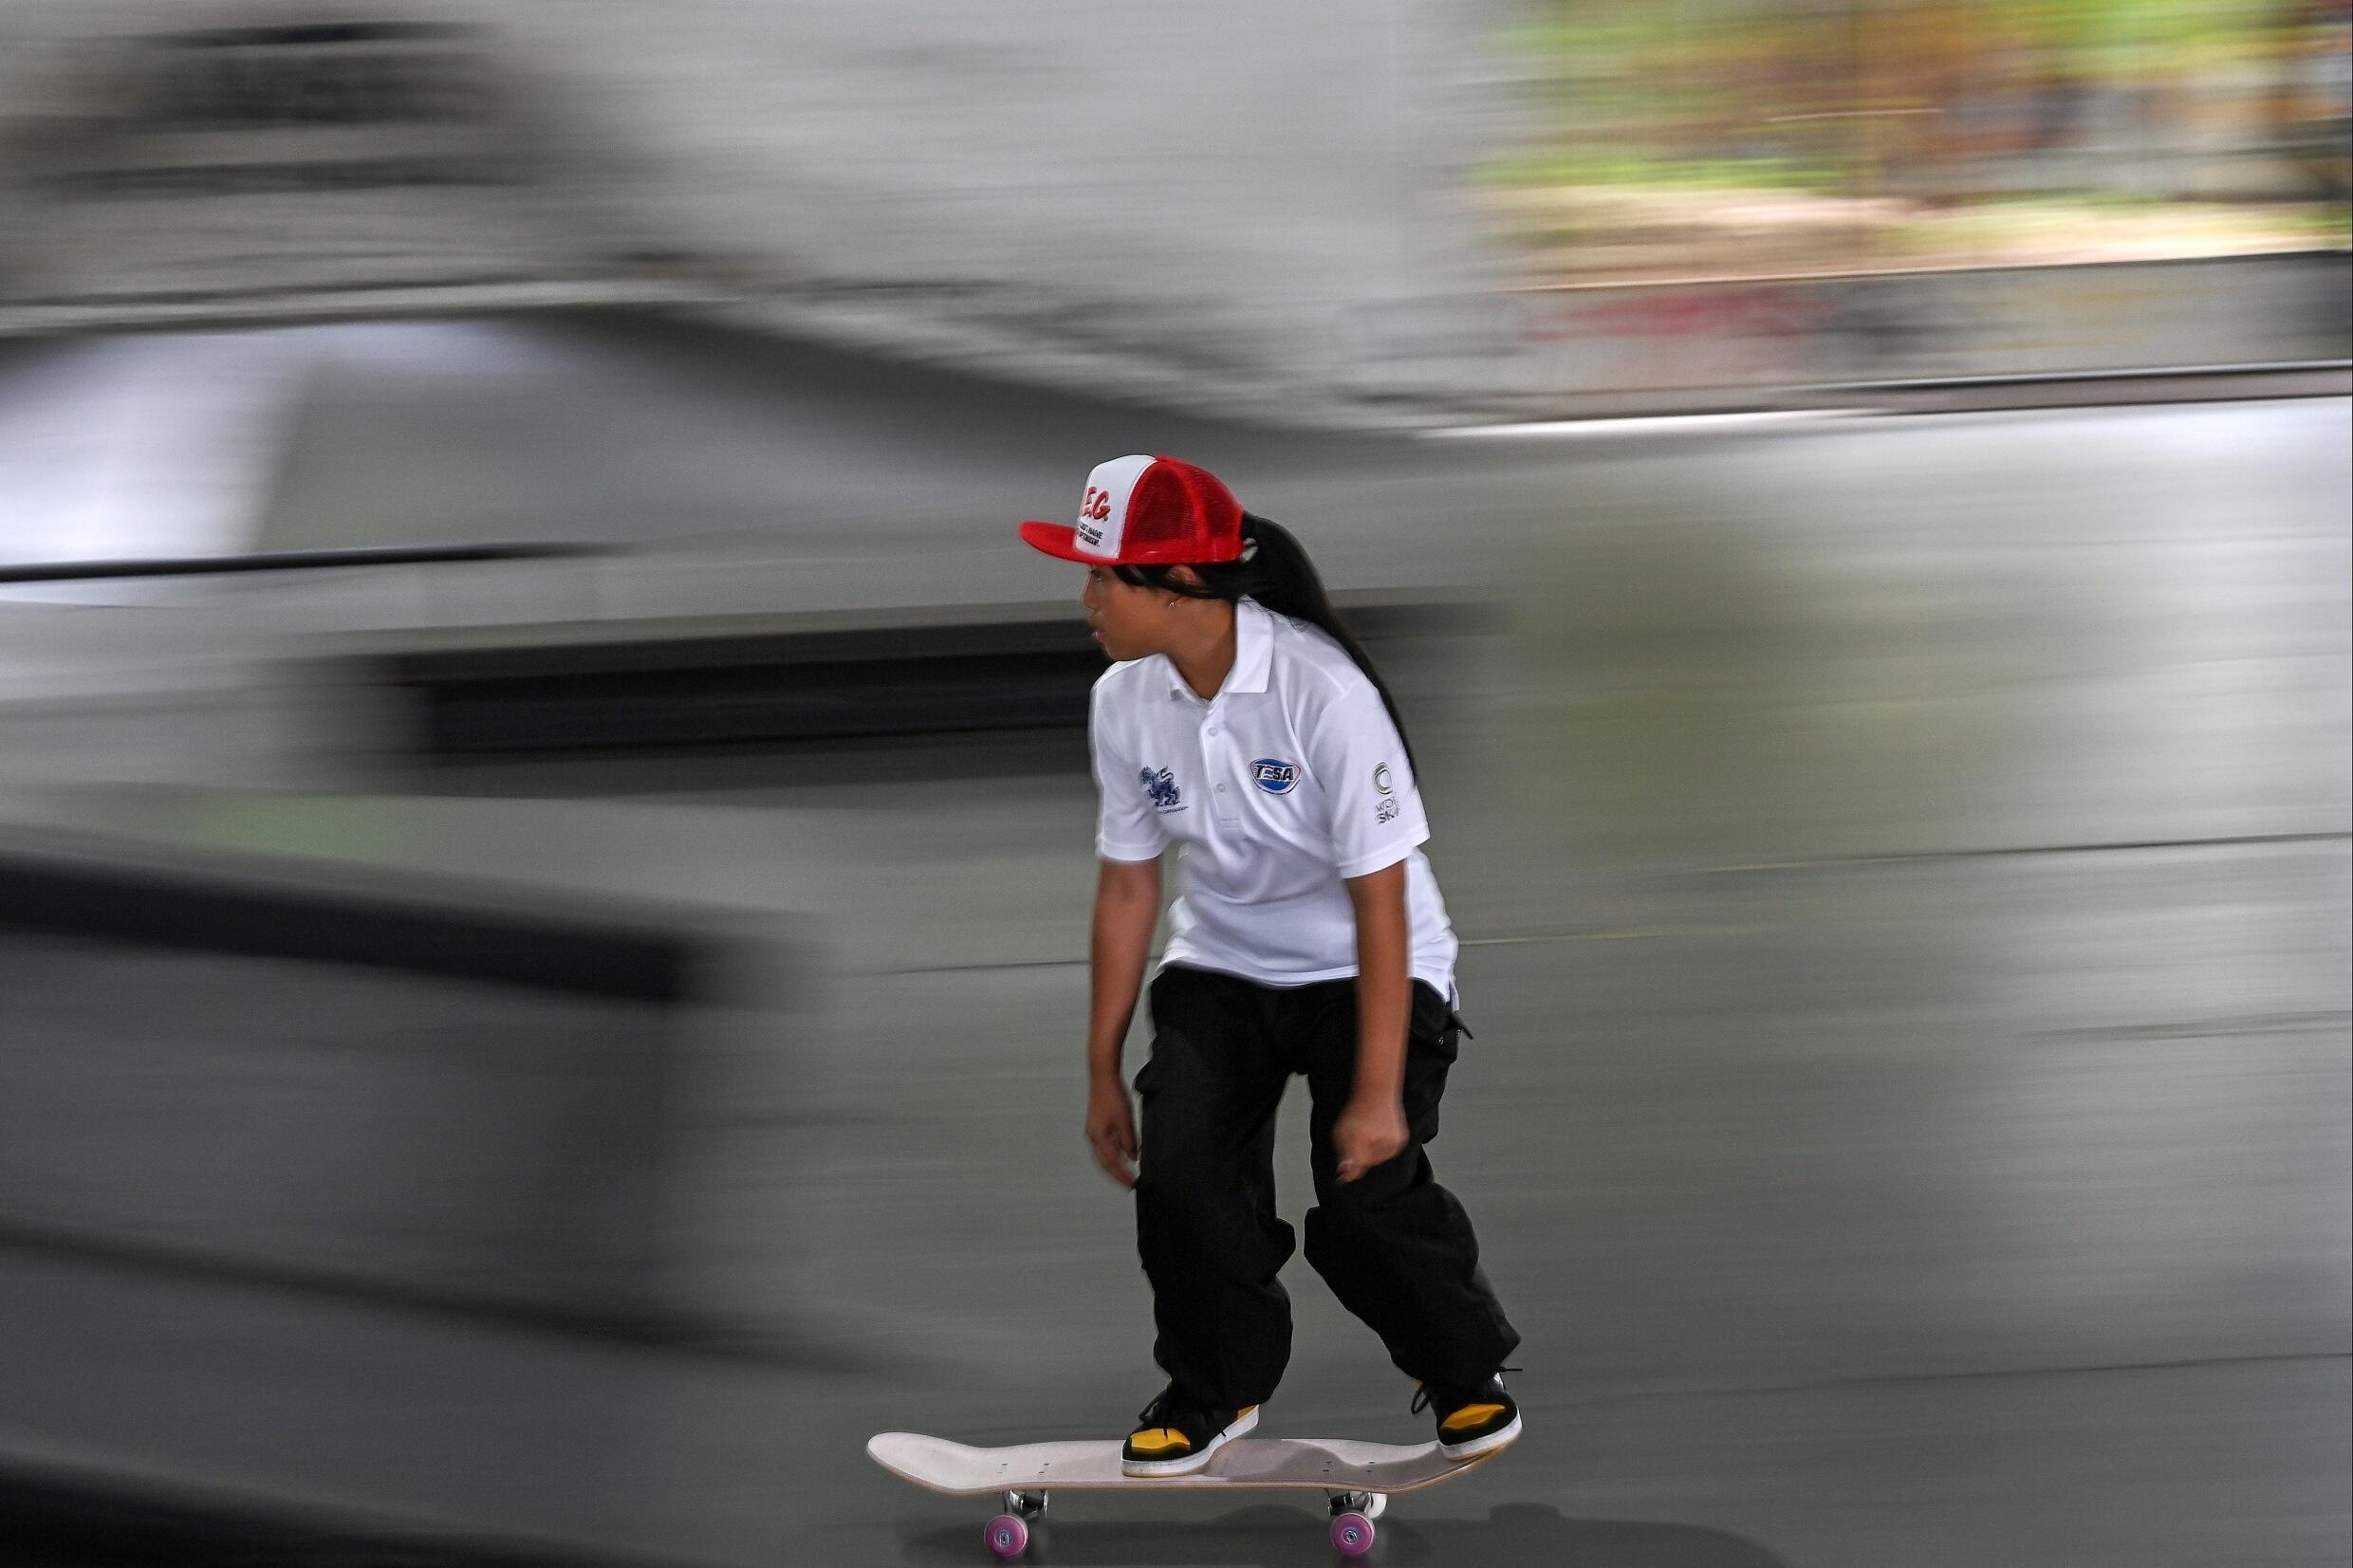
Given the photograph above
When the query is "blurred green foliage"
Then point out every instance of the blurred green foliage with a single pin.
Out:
(1938, 104)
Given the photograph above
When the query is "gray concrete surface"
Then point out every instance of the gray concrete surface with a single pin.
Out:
(1908, 901)
(1847, 1225)
(432, 1075)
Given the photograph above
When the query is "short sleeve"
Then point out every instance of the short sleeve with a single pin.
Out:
(1355, 755)
(1126, 827)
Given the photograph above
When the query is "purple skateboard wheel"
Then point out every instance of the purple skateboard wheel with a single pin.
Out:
(1352, 1533)
(1007, 1536)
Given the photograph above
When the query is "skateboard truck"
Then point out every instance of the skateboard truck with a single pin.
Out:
(1353, 1513)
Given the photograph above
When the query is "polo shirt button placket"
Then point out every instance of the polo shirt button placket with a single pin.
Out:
(1221, 799)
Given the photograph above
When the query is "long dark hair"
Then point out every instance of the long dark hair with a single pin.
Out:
(1275, 571)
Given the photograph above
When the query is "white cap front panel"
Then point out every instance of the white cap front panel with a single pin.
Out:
(1102, 510)
(1292, 779)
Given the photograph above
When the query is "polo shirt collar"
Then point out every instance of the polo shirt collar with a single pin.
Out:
(1253, 652)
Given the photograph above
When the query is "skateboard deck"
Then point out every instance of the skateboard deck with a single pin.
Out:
(1357, 1477)
(1318, 1464)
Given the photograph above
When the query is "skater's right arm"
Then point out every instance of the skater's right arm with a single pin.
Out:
(1127, 906)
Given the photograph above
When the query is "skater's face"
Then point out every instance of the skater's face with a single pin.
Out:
(1128, 621)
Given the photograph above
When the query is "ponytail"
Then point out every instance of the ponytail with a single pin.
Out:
(1275, 571)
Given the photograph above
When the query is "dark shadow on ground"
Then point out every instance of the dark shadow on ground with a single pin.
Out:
(47, 1521)
(1269, 1536)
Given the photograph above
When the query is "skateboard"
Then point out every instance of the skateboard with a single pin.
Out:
(1357, 1477)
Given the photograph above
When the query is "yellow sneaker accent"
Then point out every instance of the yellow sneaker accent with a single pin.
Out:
(1469, 1416)
(1160, 1441)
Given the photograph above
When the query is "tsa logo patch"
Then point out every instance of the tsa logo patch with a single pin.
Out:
(1161, 787)
(1275, 776)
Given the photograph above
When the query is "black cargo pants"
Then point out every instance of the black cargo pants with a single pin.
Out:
(1395, 1247)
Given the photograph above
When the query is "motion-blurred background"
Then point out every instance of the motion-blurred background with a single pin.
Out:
(544, 836)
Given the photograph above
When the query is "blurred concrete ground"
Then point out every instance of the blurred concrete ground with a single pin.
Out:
(1905, 878)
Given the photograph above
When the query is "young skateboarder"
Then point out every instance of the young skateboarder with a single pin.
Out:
(1240, 721)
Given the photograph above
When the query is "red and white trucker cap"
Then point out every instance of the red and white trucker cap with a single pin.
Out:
(1146, 511)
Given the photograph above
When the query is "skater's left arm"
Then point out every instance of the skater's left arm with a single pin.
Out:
(1371, 1130)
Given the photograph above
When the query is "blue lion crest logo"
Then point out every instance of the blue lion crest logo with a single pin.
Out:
(1161, 787)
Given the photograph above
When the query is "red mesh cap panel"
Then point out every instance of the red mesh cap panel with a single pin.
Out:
(1180, 513)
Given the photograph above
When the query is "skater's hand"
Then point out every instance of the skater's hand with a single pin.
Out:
(1370, 1132)
(1111, 1130)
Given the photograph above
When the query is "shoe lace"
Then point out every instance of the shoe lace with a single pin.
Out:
(1157, 1413)
(1455, 1400)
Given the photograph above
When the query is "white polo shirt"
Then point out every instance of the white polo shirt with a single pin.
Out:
(1291, 779)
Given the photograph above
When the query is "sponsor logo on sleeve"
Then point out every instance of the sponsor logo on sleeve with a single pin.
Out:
(1380, 778)
(1384, 809)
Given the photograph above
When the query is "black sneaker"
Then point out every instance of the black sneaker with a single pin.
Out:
(1472, 1421)
(1176, 1435)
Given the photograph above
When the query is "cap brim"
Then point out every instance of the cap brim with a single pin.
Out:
(1057, 539)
